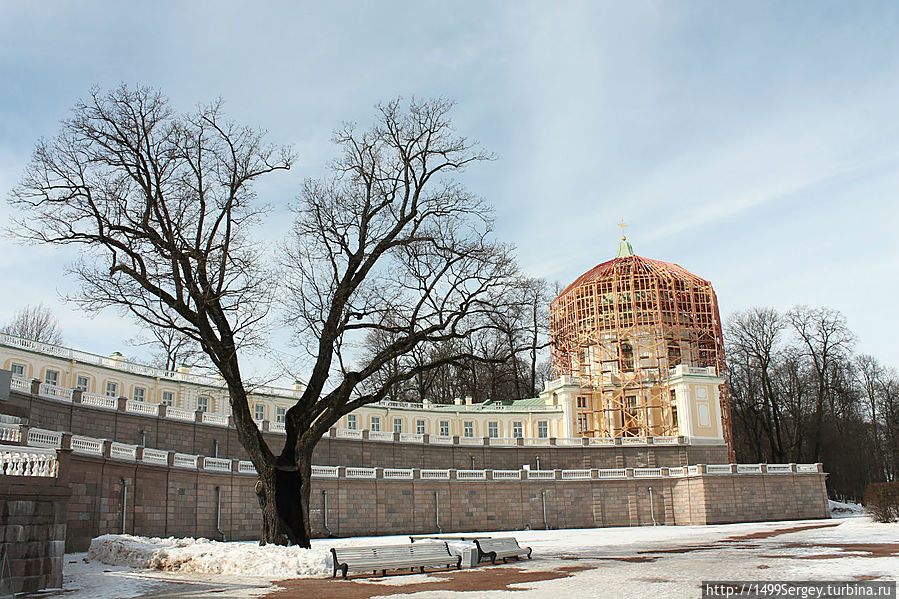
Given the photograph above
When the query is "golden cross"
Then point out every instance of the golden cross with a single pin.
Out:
(623, 227)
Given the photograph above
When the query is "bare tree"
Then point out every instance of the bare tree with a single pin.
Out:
(755, 334)
(37, 323)
(170, 348)
(390, 247)
(827, 339)
(161, 205)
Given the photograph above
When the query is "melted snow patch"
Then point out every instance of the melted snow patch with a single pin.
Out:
(210, 557)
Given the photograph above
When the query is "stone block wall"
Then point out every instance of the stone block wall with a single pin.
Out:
(33, 520)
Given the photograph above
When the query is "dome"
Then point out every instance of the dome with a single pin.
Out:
(622, 329)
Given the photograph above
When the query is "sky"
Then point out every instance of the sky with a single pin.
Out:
(754, 143)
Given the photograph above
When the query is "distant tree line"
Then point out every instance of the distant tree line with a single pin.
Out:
(800, 393)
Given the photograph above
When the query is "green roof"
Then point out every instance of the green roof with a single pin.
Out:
(624, 249)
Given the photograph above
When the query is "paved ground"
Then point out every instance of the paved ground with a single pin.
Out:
(626, 563)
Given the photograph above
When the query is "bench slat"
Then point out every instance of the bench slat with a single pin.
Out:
(391, 557)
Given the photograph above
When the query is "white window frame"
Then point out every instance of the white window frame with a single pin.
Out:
(18, 369)
(111, 389)
(352, 422)
(517, 429)
(54, 380)
(398, 425)
(202, 403)
(167, 398)
(493, 429)
(468, 429)
(543, 429)
(87, 382)
(420, 426)
(139, 393)
(280, 414)
(259, 412)
(444, 428)
(374, 423)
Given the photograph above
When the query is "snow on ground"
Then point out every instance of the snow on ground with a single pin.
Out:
(210, 557)
(845, 509)
(664, 561)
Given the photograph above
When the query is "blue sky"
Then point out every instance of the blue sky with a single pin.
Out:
(754, 143)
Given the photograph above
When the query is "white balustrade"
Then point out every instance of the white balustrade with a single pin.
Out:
(433, 474)
(380, 436)
(19, 383)
(807, 468)
(276, 427)
(503, 441)
(579, 474)
(214, 419)
(541, 474)
(611, 473)
(349, 433)
(173, 413)
(692, 470)
(411, 438)
(27, 461)
(141, 407)
(603, 441)
(677, 471)
(749, 468)
(779, 469)
(325, 471)
(717, 469)
(507, 475)
(665, 440)
(441, 439)
(398, 473)
(633, 440)
(246, 467)
(471, 475)
(570, 441)
(87, 445)
(352, 472)
(10, 433)
(120, 451)
(99, 401)
(647, 472)
(44, 438)
(184, 460)
(49, 391)
(536, 441)
(217, 464)
(471, 441)
(155, 456)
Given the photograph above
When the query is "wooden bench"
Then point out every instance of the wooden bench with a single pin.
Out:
(501, 547)
(393, 557)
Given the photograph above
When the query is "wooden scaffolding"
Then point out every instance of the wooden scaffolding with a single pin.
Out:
(620, 329)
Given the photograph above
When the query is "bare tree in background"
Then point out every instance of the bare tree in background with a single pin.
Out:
(393, 248)
(827, 340)
(170, 348)
(36, 323)
(161, 206)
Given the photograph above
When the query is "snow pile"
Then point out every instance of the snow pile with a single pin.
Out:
(210, 557)
(839, 509)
